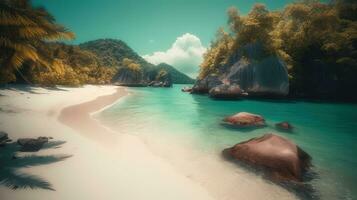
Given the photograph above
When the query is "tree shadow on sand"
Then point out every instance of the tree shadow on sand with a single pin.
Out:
(29, 88)
(10, 164)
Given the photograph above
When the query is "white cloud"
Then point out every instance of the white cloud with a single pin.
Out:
(185, 54)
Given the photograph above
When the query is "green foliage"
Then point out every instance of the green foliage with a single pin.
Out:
(131, 65)
(68, 65)
(176, 76)
(163, 75)
(317, 41)
(217, 56)
(112, 52)
(22, 27)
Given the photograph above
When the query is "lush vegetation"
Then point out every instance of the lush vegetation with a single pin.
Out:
(112, 53)
(22, 29)
(317, 41)
(70, 65)
(176, 76)
(29, 53)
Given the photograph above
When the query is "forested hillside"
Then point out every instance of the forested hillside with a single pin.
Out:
(30, 54)
(316, 41)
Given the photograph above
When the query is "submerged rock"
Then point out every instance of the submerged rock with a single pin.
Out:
(281, 158)
(284, 126)
(32, 144)
(245, 119)
(226, 91)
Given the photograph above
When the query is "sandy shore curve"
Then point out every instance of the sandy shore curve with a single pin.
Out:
(78, 117)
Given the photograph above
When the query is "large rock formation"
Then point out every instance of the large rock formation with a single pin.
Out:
(206, 84)
(267, 76)
(162, 79)
(255, 71)
(280, 157)
(226, 91)
(244, 119)
(128, 77)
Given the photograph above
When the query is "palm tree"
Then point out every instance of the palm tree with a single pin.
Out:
(22, 29)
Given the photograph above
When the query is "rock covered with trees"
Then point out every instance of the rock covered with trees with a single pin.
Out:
(308, 49)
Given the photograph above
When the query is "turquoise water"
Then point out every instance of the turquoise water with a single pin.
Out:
(327, 131)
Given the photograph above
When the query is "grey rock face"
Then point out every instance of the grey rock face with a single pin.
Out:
(267, 76)
(206, 84)
(127, 77)
(227, 91)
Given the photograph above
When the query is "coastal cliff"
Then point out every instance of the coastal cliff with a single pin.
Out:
(255, 72)
(306, 50)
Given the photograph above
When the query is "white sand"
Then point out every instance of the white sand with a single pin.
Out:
(95, 171)
(108, 165)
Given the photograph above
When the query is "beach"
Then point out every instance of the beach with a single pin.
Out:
(96, 169)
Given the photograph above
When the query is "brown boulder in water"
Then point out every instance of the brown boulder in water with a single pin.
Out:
(284, 126)
(283, 159)
(245, 119)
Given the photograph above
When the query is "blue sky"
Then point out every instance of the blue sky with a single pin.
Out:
(146, 25)
(151, 27)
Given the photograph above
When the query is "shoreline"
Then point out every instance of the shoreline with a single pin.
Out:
(109, 163)
(102, 166)
(79, 116)
(217, 176)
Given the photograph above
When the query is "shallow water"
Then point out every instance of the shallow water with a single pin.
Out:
(327, 131)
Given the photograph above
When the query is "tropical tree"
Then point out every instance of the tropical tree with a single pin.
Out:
(22, 29)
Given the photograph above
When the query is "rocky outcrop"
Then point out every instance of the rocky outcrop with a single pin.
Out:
(4, 138)
(162, 79)
(244, 119)
(282, 159)
(286, 126)
(226, 91)
(253, 70)
(206, 84)
(267, 76)
(186, 89)
(127, 77)
(160, 84)
(31, 144)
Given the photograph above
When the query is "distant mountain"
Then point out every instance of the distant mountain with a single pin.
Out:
(111, 53)
(177, 76)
